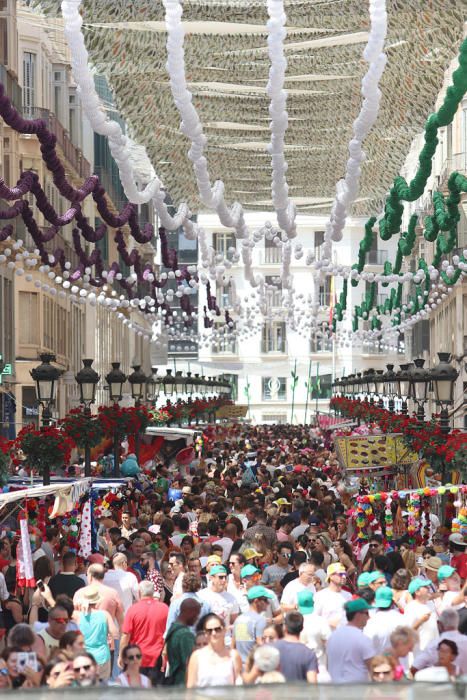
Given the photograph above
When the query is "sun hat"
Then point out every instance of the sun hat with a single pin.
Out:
(251, 553)
(259, 592)
(375, 576)
(363, 580)
(416, 584)
(456, 538)
(213, 559)
(357, 605)
(91, 595)
(217, 570)
(433, 563)
(282, 502)
(336, 568)
(384, 597)
(445, 572)
(305, 602)
(248, 570)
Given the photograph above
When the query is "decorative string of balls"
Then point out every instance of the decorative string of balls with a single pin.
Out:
(459, 524)
(388, 520)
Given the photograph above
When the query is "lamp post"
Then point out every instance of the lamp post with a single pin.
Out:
(390, 382)
(153, 384)
(46, 376)
(379, 386)
(87, 379)
(443, 378)
(115, 380)
(137, 380)
(403, 385)
(419, 383)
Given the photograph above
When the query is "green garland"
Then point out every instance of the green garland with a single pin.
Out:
(440, 227)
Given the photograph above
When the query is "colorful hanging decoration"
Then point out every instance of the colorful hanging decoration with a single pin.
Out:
(24, 567)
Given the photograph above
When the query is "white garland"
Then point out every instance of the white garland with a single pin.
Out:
(285, 209)
(347, 187)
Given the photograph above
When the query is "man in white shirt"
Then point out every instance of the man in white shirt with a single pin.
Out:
(122, 581)
(382, 624)
(449, 585)
(349, 650)
(429, 522)
(221, 602)
(419, 613)
(330, 601)
(306, 573)
(449, 621)
(315, 633)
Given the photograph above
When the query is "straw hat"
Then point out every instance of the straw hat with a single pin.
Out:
(91, 595)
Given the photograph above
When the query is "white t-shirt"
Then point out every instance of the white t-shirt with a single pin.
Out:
(224, 605)
(380, 627)
(446, 602)
(289, 595)
(429, 657)
(125, 584)
(315, 635)
(272, 607)
(428, 631)
(330, 606)
(348, 650)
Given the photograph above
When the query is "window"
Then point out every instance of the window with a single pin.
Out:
(28, 322)
(325, 292)
(321, 386)
(7, 320)
(224, 296)
(274, 388)
(276, 418)
(272, 254)
(273, 291)
(319, 240)
(29, 83)
(224, 345)
(274, 338)
(221, 242)
(3, 41)
(319, 343)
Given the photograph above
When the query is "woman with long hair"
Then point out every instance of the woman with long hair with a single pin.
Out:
(400, 584)
(131, 677)
(214, 664)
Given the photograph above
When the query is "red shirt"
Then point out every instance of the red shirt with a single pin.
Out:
(145, 622)
(459, 562)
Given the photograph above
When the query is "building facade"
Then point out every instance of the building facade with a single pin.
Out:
(264, 362)
(35, 70)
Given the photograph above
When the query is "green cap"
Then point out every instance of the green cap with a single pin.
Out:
(384, 597)
(416, 584)
(249, 570)
(363, 580)
(445, 572)
(305, 601)
(259, 592)
(357, 605)
(217, 570)
(375, 576)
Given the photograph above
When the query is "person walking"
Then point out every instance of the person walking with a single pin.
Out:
(214, 664)
(96, 626)
(131, 676)
(180, 641)
(349, 651)
(144, 625)
(249, 627)
(297, 661)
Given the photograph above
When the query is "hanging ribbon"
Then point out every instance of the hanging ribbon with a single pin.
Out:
(24, 568)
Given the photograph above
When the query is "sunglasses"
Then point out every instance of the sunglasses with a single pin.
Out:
(60, 620)
(213, 629)
(136, 657)
(86, 667)
(287, 555)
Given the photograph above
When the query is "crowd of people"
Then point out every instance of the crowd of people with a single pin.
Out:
(244, 568)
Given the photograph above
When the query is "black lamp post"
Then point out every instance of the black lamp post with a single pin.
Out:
(46, 377)
(115, 380)
(153, 384)
(391, 383)
(419, 383)
(444, 377)
(368, 384)
(189, 385)
(379, 386)
(403, 385)
(168, 382)
(87, 379)
(137, 380)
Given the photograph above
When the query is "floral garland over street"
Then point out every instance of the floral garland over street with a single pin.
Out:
(425, 438)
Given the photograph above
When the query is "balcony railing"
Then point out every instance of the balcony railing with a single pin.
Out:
(71, 152)
(320, 345)
(272, 256)
(377, 257)
(457, 162)
(273, 348)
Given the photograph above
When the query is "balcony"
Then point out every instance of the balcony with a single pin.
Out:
(271, 256)
(457, 162)
(12, 87)
(377, 257)
(224, 347)
(72, 154)
(320, 345)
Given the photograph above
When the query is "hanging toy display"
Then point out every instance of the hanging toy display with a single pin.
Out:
(413, 507)
(459, 524)
(388, 520)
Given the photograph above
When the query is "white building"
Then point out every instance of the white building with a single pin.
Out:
(265, 361)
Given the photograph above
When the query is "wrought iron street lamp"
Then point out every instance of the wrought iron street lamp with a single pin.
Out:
(419, 383)
(87, 379)
(443, 378)
(391, 386)
(115, 380)
(379, 386)
(46, 377)
(137, 381)
(153, 384)
(168, 382)
(403, 385)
